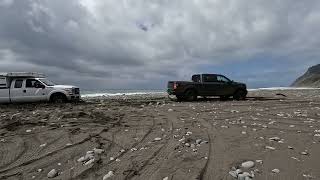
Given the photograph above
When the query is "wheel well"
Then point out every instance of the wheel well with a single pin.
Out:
(57, 94)
(193, 89)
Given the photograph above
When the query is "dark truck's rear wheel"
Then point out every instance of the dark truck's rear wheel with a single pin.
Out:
(240, 95)
(58, 98)
(190, 95)
(180, 97)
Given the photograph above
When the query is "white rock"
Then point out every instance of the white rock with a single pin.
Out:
(89, 162)
(187, 144)
(241, 177)
(259, 161)
(238, 171)
(289, 147)
(317, 135)
(109, 175)
(165, 178)
(233, 174)
(276, 171)
(81, 159)
(111, 158)
(292, 126)
(304, 153)
(247, 164)
(98, 151)
(118, 160)
(28, 131)
(170, 110)
(274, 139)
(53, 173)
(43, 145)
(157, 139)
(271, 148)
(59, 164)
(243, 132)
(198, 141)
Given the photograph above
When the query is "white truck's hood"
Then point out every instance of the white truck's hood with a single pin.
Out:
(63, 86)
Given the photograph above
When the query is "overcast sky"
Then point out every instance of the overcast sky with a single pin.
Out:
(110, 44)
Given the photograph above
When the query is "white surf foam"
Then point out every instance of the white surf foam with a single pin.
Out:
(120, 94)
(283, 88)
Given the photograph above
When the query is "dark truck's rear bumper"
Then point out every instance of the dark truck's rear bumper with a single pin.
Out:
(175, 92)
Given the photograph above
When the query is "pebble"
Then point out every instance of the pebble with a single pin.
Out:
(89, 162)
(53, 173)
(157, 139)
(233, 174)
(98, 151)
(274, 139)
(247, 164)
(198, 141)
(111, 158)
(39, 170)
(166, 178)
(259, 161)
(28, 131)
(289, 147)
(304, 153)
(187, 144)
(276, 171)
(170, 110)
(292, 126)
(109, 175)
(43, 145)
(243, 132)
(117, 160)
(271, 148)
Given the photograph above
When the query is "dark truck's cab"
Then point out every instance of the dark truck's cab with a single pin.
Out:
(207, 85)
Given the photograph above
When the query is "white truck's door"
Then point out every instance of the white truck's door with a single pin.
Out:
(33, 91)
(17, 90)
(4, 90)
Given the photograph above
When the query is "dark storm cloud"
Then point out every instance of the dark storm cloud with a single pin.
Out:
(123, 42)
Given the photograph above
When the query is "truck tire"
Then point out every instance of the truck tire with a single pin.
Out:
(180, 97)
(190, 95)
(239, 95)
(58, 98)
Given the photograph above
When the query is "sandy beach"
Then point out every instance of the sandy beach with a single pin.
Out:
(151, 137)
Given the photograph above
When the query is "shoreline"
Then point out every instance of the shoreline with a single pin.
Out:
(152, 137)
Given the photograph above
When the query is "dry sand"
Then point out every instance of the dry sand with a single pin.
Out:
(151, 137)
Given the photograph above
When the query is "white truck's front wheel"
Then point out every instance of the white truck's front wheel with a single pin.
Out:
(58, 98)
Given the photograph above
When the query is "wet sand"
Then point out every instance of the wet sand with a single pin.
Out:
(152, 137)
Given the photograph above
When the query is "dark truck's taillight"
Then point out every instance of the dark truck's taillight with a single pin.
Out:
(175, 85)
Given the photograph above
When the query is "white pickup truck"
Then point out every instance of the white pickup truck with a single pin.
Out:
(34, 87)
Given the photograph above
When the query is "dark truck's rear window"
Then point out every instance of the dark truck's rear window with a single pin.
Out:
(196, 78)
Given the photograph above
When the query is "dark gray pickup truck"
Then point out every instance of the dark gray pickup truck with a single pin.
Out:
(207, 85)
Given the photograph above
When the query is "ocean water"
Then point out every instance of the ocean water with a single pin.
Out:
(120, 92)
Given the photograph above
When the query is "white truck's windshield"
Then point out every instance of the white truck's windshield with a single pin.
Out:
(47, 82)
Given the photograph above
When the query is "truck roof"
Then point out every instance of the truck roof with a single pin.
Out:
(22, 74)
